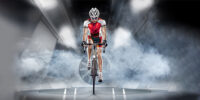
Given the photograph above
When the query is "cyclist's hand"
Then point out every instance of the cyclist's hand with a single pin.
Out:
(105, 43)
(83, 43)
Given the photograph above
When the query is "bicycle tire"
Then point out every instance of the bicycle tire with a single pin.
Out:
(94, 73)
(94, 77)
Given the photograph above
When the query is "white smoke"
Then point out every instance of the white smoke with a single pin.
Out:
(64, 64)
(35, 61)
(122, 38)
(35, 67)
(127, 62)
(132, 62)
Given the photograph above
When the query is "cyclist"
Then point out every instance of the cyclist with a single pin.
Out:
(95, 31)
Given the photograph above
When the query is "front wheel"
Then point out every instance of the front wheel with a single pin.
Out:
(93, 77)
(94, 73)
(85, 74)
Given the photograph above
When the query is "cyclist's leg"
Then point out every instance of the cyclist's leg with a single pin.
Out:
(89, 50)
(100, 63)
(99, 47)
(99, 58)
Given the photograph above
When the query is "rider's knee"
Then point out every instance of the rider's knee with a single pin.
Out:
(99, 55)
(90, 47)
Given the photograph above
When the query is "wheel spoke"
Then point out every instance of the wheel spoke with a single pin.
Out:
(86, 74)
(83, 69)
(90, 80)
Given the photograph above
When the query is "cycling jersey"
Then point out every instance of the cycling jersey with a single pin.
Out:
(95, 29)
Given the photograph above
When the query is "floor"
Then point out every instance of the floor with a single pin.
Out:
(103, 93)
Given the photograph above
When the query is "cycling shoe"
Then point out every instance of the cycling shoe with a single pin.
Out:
(100, 80)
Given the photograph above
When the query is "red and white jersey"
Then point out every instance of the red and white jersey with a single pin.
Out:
(94, 28)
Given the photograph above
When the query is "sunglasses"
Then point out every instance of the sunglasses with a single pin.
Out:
(94, 18)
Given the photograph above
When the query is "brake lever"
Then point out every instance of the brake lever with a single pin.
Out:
(84, 49)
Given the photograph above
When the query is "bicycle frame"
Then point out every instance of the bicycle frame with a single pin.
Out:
(94, 62)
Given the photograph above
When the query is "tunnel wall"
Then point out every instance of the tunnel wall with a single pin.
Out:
(21, 26)
(42, 40)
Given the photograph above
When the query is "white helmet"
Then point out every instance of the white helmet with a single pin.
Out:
(94, 13)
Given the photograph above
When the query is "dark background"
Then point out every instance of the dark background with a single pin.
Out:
(185, 12)
(180, 11)
(176, 34)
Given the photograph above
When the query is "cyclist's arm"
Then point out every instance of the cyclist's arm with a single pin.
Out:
(104, 32)
(85, 30)
(103, 29)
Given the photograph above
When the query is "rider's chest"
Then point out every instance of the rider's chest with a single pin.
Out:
(94, 26)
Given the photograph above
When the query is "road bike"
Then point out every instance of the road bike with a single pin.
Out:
(94, 67)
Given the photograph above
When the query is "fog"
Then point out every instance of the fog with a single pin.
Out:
(127, 61)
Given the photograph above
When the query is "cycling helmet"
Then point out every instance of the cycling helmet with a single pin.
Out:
(94, 13)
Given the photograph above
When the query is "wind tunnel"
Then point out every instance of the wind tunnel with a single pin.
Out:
(153, 49)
